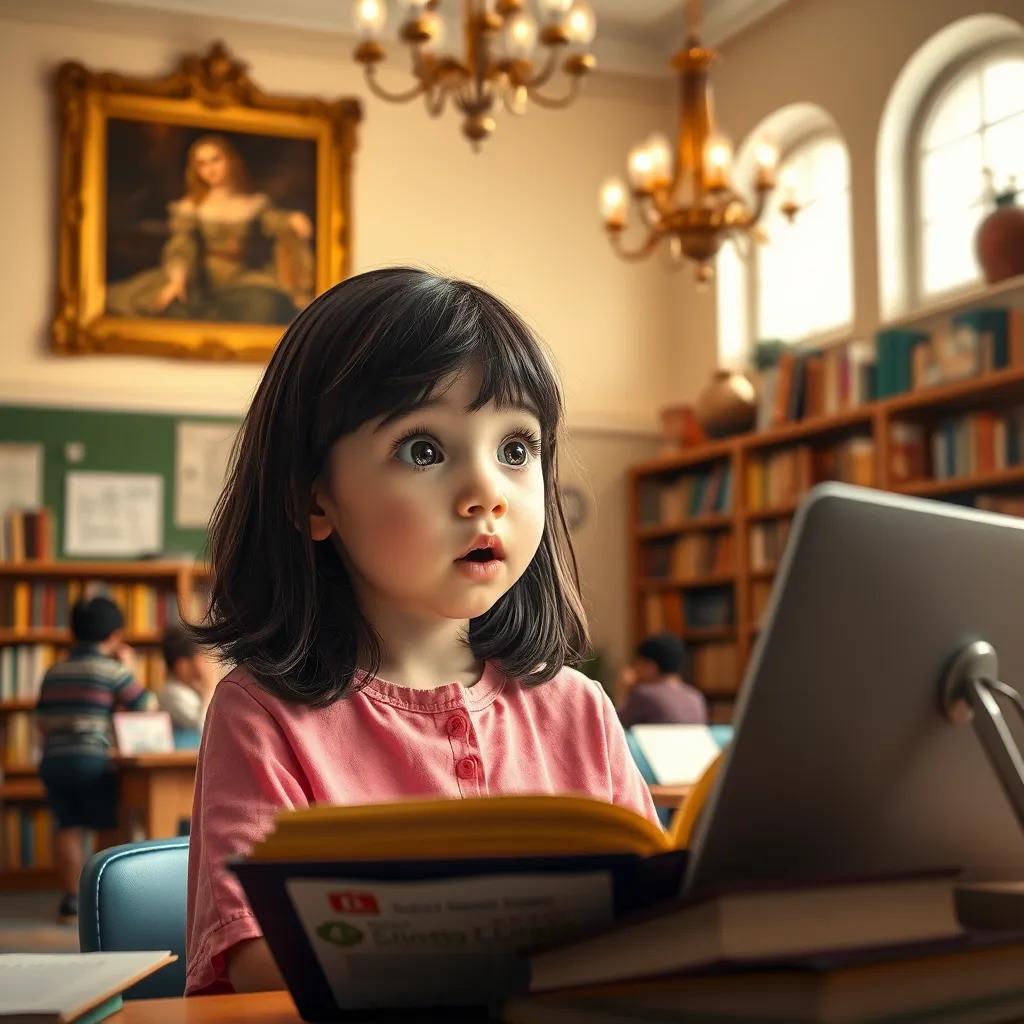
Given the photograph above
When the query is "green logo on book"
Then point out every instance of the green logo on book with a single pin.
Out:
(341, 933)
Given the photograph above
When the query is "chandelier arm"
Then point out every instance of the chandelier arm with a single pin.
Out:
(640, 252)
(545, 73)
(556, 103)
(393, 97)
(435, 96)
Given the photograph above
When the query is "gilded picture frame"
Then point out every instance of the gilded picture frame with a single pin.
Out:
(197, 214)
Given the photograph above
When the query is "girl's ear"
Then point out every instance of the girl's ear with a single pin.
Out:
(320, 525)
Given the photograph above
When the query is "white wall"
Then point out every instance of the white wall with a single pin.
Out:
(844, 55)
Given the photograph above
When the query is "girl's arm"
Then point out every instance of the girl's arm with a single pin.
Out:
(251, 968)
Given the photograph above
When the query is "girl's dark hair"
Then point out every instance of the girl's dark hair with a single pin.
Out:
(375, 345)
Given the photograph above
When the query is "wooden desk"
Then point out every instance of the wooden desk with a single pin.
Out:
(253, 1008)
(156, 793)
(669, 796)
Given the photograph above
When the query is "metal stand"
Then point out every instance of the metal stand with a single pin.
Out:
(968, 695)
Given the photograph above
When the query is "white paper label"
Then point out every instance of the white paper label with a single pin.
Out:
(445, 942)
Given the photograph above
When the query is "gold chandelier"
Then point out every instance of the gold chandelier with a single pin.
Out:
(691, 204)
(497, 66)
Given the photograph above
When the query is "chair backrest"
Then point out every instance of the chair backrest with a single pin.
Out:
(133, 897)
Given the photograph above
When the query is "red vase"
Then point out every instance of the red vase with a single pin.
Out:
(999, 241)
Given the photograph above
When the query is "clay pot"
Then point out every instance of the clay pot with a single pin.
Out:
(999, 241)
(679, 426)
(728, 405)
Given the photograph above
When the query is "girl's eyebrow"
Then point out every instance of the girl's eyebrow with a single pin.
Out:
(431, 402)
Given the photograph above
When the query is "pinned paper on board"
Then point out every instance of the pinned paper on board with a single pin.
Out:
(202, 456)
(21, 476)
(109, 515)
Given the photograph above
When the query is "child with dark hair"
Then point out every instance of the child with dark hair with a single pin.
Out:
(76, 700)
(654, 690)
(188, 688)
(394, 578)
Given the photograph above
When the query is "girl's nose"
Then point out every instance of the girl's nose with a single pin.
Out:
(481, 497)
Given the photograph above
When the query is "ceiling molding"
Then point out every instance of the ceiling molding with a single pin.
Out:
(637, 37)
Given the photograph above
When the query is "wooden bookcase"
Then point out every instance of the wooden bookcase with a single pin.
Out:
(998, 390)
(21, 792)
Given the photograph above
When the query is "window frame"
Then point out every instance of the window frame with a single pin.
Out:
(750, 261)
(974, 59)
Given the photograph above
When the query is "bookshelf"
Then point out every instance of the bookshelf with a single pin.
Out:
(934, 442)
(35, 602)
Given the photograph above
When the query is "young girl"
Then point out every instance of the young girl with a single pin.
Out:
(394, 579)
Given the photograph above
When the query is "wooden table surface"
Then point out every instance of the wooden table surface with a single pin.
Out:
(254, 1008)
(669, 796)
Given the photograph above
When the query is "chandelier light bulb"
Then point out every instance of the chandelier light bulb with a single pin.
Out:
(614, 201)
(766, 156)
(660, 153)
(521, 36)
(641, 169)
(433, 24)
(717, 161)
(581, 25)
(371, 17)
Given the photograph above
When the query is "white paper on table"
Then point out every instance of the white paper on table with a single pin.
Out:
(677, 754)
(112, 514)
(202, 455)
(51, 983)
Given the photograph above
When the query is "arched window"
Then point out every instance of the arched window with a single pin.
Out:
(972, 121)
(798, 284)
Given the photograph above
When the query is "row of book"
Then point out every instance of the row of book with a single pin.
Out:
(1007, 504)
(22, 667)
(983, 441)
(767, 542)
(809, 384)
(28, 838)
(690, 557)
(27, 535)
(694, 494)
(673, 611)
(41, 604)
(22, 743)
(972, 342)
(783, 475)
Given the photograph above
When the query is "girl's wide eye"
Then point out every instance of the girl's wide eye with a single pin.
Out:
(517, 451)
(420, 451)
(513, 453)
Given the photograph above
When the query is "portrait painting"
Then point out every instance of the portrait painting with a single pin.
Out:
(199, 215)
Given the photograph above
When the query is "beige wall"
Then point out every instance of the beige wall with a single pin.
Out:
(520, 217)
(844, 55)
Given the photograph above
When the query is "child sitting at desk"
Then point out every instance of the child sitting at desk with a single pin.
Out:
(655, 693)
(76, 701)
(186, 693)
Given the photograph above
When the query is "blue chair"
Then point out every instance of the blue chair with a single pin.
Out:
(133, 897)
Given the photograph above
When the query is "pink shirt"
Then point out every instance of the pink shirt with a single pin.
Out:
(385, 742)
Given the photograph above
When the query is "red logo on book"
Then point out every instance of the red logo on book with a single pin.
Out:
(354, 902)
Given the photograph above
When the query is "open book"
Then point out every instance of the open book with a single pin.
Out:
(436, 903)
(60, 988)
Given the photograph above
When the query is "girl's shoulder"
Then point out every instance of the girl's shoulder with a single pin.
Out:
(239, 690)
(567, 686)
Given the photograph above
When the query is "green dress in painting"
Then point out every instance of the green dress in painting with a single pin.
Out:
(251, 268)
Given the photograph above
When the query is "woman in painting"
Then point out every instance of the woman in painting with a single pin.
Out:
(232, 255)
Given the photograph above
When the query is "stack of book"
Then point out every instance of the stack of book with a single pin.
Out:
(562, 908)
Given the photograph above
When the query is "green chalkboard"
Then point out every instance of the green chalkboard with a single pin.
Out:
(121, 442)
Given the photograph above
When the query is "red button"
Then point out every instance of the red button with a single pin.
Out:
(457, 727)
(466, 768)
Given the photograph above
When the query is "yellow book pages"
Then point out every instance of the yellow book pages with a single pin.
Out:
(488, 826)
